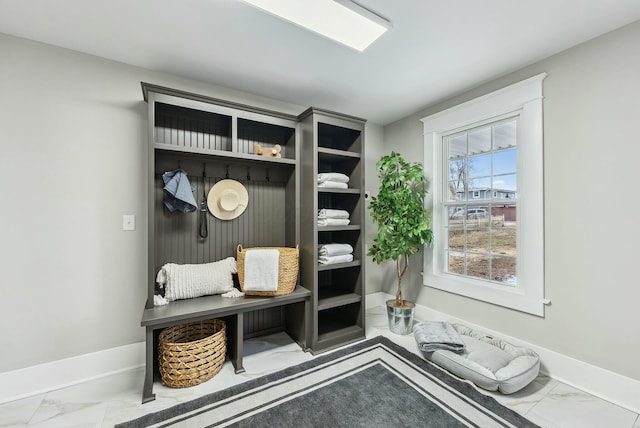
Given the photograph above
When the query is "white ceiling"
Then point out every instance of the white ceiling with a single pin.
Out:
(435, 48)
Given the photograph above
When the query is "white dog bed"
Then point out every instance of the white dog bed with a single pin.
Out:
(488, 362)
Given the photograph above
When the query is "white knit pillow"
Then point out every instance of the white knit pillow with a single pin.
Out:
(188, 281)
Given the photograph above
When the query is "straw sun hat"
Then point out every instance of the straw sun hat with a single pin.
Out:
(227, 199)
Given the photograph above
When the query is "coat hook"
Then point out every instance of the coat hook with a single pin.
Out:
(248, 174)
(227, 173)
(204, 170)
(268, 178)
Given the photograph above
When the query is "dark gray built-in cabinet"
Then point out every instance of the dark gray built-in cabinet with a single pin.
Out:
(212, 140)
(332, 142)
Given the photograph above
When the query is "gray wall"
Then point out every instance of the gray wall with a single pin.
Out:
(591, 113)
(72, 139)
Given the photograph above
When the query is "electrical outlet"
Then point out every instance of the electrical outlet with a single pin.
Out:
(128, 222)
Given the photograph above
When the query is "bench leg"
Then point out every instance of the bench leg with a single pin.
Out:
(147, 389)
(307, 325)
(236, 339)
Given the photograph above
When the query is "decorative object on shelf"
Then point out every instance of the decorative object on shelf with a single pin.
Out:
(287, 270)
(179, 195)
(227, 199)
(404, 227)
(273, 152)
(189, 354)
(195, 280)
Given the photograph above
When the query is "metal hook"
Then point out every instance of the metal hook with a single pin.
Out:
(268, 178)
(248, 174)
(227, 173)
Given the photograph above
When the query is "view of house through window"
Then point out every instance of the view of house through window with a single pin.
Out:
(480, 210)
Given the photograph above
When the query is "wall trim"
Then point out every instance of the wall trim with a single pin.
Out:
(42, 378)
(613, 387)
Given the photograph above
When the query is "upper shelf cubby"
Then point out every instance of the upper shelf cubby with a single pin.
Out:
(338, 138)
(268, 136)
(191, 128)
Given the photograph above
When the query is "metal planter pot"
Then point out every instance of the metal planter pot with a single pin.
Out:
(400, 319)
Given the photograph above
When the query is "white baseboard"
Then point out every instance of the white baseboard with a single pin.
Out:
(17, 384)
(613, 387)
(42, 378)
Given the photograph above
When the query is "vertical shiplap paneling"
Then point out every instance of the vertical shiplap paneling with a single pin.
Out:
(262, 224)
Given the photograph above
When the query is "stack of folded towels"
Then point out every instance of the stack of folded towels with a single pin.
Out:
(335, 253)
(333, 180)
(330, 217)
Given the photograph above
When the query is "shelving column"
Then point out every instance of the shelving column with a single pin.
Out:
(333, 143)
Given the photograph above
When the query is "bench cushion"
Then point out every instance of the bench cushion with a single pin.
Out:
(489, 362)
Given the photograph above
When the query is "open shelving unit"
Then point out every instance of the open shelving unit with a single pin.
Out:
(213, 139)
(332, 142)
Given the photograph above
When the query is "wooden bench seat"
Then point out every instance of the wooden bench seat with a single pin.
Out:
(207, 307)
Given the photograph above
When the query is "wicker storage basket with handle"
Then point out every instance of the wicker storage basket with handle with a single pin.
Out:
(287, 270)
(189, 354)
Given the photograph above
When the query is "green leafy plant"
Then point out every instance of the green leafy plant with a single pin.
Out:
(404, 224)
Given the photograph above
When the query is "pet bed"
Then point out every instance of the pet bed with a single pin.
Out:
(488, 362)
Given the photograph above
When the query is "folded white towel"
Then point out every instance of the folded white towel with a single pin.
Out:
(333, 221)
(334, 249)
(261, 270)
(333, 176)
(333, 185)
(329, 260)
(329, 213)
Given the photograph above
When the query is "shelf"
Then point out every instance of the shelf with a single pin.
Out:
(338, 228)
(327, 153)
(334, 299)
(343, 191)
(223, 154)
(338, 265)
(339, 333)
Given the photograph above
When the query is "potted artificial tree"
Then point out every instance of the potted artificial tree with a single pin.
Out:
(404, 227)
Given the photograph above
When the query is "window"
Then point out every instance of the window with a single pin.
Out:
(486, 198)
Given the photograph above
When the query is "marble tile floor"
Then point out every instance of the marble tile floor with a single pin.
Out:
(113, 399)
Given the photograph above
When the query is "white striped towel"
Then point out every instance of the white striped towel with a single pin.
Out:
(333, 185)
(333, 176)
(329, 260)
(195, 280)
(261, 270)
(334, 249)
(333, 221)
(329, 213)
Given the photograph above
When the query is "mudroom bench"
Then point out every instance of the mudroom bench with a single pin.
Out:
(232, 310)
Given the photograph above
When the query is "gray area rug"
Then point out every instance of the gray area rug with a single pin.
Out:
(370, 384)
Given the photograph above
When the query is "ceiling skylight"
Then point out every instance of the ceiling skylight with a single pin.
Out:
(340, 20)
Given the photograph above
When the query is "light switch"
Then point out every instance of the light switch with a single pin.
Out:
(128, 222)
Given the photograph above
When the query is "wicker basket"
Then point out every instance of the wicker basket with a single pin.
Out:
(193, 353)
(287, 270)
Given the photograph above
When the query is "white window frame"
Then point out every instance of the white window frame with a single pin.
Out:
(525, 100)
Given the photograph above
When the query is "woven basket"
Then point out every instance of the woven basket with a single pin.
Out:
(193, 353)
(287, 270)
